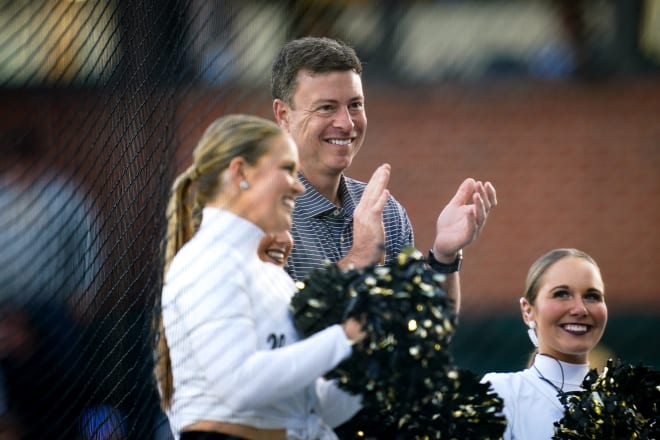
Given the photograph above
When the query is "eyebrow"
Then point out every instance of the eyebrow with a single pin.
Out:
(567, 287)
(336, 101)
(324, 101)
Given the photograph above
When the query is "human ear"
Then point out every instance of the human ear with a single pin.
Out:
(281, 112)
(236, 170)
(526, 310)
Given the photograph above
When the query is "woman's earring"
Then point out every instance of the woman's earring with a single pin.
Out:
(243, 185)
(531, 332)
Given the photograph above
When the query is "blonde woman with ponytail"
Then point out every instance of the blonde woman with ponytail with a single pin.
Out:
(229, 362)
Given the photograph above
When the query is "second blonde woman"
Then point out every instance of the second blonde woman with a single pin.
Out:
(230, 362)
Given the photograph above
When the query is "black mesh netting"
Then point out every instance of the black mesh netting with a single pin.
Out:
(92, 118)
(101, 103)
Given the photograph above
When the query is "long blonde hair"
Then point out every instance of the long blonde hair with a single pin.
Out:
(226, 138)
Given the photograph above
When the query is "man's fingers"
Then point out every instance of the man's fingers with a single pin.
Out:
(377, 184)
(481, 211)
(382, 200)
(469, 187)
(491, 194)
(481, 190)
(464, 193)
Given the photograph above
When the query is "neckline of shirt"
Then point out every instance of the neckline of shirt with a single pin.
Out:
(551, 369)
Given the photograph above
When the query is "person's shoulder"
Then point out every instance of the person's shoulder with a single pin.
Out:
(354, 183)
(393, 208)
(202, 256)
(502, 379)
(355, 186)
(508, 385)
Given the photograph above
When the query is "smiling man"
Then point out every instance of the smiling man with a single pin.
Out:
(316, 86)
(318, 98)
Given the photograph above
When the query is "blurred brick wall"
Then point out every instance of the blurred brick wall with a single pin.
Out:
(574, 165)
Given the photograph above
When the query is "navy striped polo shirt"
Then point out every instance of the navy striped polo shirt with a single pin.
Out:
(324, 232)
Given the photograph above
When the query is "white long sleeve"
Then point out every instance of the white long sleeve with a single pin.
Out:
(236, 356)
(336, 406)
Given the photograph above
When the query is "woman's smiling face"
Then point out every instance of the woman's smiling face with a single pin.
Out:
(273, 183)
(569, 309)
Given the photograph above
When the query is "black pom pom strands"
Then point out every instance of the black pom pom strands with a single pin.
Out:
(620, 403)
(403, 368)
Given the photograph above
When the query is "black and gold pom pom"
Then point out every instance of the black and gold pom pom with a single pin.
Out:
(403, 369)
(620, 403)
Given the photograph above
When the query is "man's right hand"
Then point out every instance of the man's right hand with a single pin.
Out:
(368, 228)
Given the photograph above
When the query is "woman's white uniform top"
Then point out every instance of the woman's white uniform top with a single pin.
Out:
(231, 339)
(531, 405)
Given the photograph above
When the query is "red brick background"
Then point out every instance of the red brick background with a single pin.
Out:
(574, 164)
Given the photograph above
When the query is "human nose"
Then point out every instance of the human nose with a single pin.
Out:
(579, 308)
(344, 119)
(298, 187)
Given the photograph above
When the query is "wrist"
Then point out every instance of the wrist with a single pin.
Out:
(444, 267)
(444, 258)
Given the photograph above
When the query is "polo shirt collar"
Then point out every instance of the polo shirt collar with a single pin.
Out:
(312, 203)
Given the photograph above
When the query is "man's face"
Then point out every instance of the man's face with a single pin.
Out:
(327, 120)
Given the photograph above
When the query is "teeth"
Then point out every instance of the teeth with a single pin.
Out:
(575, 328)
(275, 254)
(289, 202)
(339, 141)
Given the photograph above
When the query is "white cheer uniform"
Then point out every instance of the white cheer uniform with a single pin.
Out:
(236, 356)
(531, 405)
